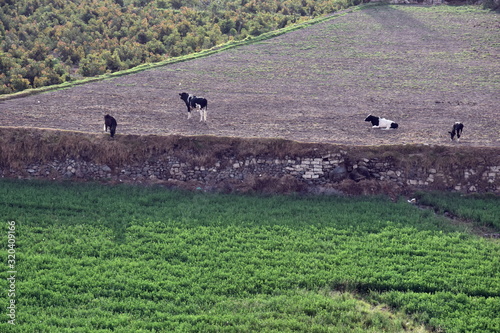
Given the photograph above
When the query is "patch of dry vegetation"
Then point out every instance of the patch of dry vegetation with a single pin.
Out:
(20, 145)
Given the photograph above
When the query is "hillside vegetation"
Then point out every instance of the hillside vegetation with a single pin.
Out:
(94, 258)
(424, 67)
(46, 42)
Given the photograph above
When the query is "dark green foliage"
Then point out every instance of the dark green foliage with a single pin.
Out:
(46, 42)
(93, 257)
(480, 209)
(459, 312)
(491, 4)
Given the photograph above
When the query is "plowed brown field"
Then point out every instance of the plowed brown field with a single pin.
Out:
(423, 67)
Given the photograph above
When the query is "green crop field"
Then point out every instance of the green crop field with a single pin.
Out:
(94, 258)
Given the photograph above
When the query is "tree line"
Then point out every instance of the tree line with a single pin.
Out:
(47, 42)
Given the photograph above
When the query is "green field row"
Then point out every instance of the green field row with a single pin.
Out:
(94, 258)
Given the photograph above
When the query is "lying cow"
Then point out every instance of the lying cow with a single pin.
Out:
(110, 122)
(193, 102)
(456, 130)
(378, 122)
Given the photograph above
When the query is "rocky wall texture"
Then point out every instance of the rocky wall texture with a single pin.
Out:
(317, 171)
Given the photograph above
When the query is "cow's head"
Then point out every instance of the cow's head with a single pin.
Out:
(184, 96)
(372, 119)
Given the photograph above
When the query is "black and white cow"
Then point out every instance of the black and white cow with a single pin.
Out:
(110, 122)
(378, 122)
(456, 130)
(193, 102)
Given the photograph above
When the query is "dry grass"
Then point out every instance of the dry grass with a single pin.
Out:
(20, 148)
(20, 145)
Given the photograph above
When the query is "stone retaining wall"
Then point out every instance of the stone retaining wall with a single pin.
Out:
(328, 169)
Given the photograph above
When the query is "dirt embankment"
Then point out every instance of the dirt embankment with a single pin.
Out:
(247, 165)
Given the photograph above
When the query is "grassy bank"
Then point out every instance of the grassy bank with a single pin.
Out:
(120, 258)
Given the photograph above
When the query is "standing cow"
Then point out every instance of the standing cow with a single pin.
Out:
(110, 122)
(456, 130)
(193, 102)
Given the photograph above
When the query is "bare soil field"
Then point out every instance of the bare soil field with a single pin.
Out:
(423, 67)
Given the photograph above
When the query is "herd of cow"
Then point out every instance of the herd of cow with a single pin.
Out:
(200, 104)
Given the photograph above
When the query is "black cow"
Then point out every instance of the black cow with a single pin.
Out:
(456, 130)
(110, 122)
(378, 122)
(193, 102)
